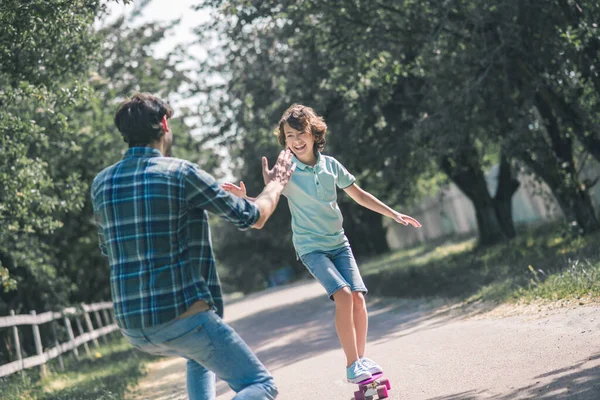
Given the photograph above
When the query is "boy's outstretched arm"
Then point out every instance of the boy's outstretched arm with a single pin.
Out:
(371, 202)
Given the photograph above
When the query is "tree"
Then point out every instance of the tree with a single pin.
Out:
(124, 66)
(531, 54)
(46, 46)
(363, 64)
(62, 136)
(451, 86)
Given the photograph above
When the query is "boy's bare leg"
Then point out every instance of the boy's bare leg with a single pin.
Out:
(361, 321)
(344, 323)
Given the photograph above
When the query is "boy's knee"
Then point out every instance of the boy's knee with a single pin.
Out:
(344, 295)
(358, 298)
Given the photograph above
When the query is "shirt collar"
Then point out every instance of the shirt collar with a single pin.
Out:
(302, 166)
(142, 152)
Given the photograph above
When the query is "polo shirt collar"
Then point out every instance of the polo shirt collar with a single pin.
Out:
(299, 164)
(142, 152)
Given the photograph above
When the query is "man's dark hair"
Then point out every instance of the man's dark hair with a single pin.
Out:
(139, 119)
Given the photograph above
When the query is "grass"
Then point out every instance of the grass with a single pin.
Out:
(104, 376)
(542, 263)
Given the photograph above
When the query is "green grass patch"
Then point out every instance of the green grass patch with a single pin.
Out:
(580, 280)
(105, 375)
(541, 263)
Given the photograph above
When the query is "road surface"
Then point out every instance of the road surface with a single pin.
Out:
(428, 350)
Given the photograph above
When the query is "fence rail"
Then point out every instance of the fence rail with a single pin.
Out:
(105, 324)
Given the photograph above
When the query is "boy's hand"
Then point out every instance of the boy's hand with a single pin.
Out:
(405, 220)
(282, 170)
(239, 191)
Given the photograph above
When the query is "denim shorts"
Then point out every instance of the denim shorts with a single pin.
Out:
(335, 269)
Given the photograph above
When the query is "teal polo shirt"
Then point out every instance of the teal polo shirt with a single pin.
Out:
(312, 198)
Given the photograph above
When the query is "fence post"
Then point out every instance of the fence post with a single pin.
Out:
(17, 344)
(71, 336)
(99, 322)
(81, 332)
(88, 322)
(106, 320)
(113, 320)
(109, 321)
(61, 363)
(106, 316)
(38, 343)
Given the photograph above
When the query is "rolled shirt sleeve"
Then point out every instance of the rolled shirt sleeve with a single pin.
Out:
(202, 191)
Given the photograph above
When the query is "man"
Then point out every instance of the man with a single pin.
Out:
(151, 212)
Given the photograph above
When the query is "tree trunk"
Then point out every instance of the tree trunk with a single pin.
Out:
(580, 206)
(555, 165)
(507, 186)
(490, 228)
(587, 133)
(464, 170)
(574, 202)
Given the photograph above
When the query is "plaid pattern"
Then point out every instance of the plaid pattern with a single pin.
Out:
(152, 219)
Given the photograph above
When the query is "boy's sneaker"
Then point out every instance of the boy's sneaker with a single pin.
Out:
(371, 366)
(357, 372)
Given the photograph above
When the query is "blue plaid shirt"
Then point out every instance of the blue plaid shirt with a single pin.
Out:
(152, 219)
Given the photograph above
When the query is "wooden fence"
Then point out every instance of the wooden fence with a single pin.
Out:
(105, 324)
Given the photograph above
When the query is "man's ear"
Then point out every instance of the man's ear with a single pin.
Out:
(165, 123)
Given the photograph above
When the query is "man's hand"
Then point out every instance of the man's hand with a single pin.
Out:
(275, 181)
(282, 170)
(239, 191)
(405, 220)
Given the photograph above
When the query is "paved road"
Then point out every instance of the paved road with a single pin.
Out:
(429, 351)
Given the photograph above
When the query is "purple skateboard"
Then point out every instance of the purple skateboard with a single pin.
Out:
(374, 386)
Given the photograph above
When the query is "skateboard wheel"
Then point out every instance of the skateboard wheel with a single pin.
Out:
(382, 392)
(359, 395)
(386, 382)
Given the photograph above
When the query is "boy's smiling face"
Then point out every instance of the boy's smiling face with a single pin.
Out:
(301, 144)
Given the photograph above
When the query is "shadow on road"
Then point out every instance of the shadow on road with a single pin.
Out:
(315, 318)
(576, 382)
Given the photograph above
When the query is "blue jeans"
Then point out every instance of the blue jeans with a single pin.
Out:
(212, 348)
(335, 269)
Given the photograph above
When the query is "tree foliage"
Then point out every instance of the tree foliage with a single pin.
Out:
(411, 89)
(60, 86)
(415, 93)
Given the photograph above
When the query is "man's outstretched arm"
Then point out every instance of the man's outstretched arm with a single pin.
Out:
(202, 191)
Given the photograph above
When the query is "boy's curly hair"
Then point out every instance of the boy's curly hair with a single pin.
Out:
(303, 119)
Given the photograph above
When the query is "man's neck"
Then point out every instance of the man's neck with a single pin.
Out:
(158, 146)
